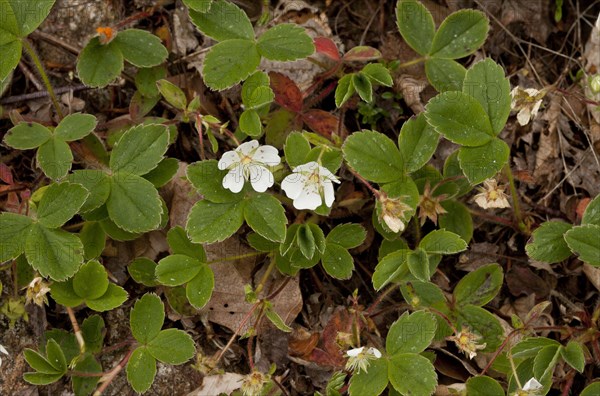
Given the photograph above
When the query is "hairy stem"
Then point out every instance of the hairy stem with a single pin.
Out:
(111, 375)
(76, 329)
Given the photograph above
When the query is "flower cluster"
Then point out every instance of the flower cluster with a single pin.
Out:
(309, 186)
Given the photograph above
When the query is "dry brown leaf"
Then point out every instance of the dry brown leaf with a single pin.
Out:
(216, 384)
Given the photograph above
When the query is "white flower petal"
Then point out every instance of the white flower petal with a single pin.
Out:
(536, 108)
(395, 224)
(532, 385)
(328, 192)
(355, 351)
(3, 350)
(234, 180)
(260, 178)
(524, 116)
(327, 175)
(228, 159)
(532, 92)
(267, 155)
(308, 199)
(247, 148)
(481, 200)
(308, 167)
(293, 185)
(375, 352)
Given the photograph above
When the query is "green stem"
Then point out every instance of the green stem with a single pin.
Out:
(515, 197)
(38, 64)
(266, 275)
(412, 62)
(234, 258)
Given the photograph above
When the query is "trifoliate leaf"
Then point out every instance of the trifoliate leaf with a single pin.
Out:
(140, 48)
(266, 216)
(416, 25)
(210, 222)
(141, 370)
(140, 149)
(172, 346)
(285, 42)
(224, 21)
(147, 317)
(60, 203)
(445, 74)
(230, 62)
(461, 34)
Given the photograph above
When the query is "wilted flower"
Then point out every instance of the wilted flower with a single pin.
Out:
(249, 162)
(36, 292)
(308, 185)
(105, 34)
(3, 351)
(531, 388)
(393, 211)
(527, 102)
(429, 206)
(253, 383)
(467, 342)
(360, 358)
(491, 195)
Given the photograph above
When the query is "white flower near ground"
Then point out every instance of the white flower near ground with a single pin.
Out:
(491, 195)
(3, 351)
(36, 292)
(393, 211)
(309, 185)
(250, 161)
(527, 102)
(531, 388)
(360, 358)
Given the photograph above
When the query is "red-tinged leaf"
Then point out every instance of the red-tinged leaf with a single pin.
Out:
(321, 122)
(581, 207)
(341, 321)
(6, 174)
(287, 93)
(362, 53)
(324, 359)
(327, 47)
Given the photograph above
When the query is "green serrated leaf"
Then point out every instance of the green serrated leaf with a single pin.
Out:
(63, 293)
(172, 346)
(75, 126)
(378, 74)
(163, 173)
(134, 204)
(140, 149)
(212, 222)
(266, 216)
(14, 230)
(416, 25)
(482, 322)
(480, 286)
(140, 48)
(482, 163)
(181, 244)
(482, 385)
(592, 389)
(344, 90)
(41, 378)
(347, 235)
(86, 385)
(96, 182)
(584, 241)
(142, 270)
(337, 262)
(418, 264)
(56, 356)
(296, 149)
(457, 219)
(411, 333)
(172, 93)
(417, 142)
(111, 299)
(445, 74)
(60, 203)
(485, 81)
(54, 253)
(223, 21)
(67, 342)
(55, 158)
(277, 320)
(92, 330)
(461, 34)
(442, 242)
(412, 374)
(250, 123)
(199, 290)
(11, 49)
(363, 86)
(371, 382)
(147, 318)
(27, 135)
(306, 241)
(91, 281)
(256, 91)
(592, 213)
(28, 17)
(460, 118)
(177, 269)
(98, 65)
(230, 62)
(141, 370)
(548, 244)
(374, 156)
(392, 268)
(198, 5)
(285, 42)
(573, 355)
(146, 80)
(39, 362)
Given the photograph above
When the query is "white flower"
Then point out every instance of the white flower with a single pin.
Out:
(249, 162)
(393, 211)
(3, 351)
(531, 388)
(359, 358)
(467, 342)
(491, 195)
(527, 102)
(308, 185)
(36, 292)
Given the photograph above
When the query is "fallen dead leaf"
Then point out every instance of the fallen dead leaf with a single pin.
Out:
(217, 384)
